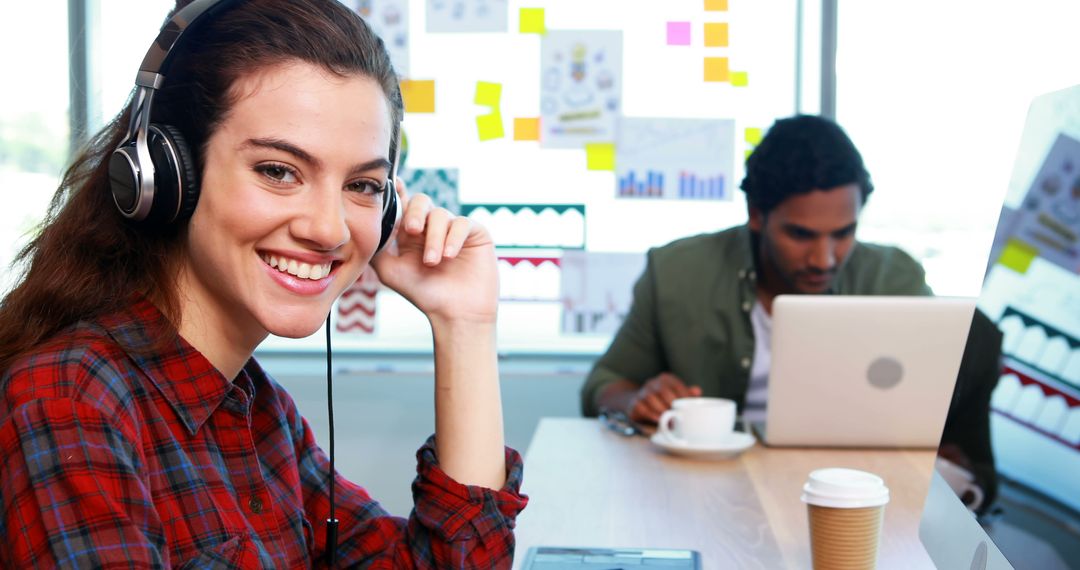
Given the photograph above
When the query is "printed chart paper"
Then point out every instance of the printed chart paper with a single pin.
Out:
(1049, 219)
(677, 159)
(466, 16)
(597, 289)
(390, 21)
(580, 87)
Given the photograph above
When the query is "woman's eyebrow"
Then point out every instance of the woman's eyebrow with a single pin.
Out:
(285, 146)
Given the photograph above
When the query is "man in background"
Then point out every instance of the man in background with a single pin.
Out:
(701, 315)
(700, 322)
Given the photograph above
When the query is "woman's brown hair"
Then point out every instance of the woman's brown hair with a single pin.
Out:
(87, 260)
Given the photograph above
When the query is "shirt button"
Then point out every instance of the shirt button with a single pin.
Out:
(742, 274)
(746, 306)
(256, 505)
(753, 275)
(745, 363)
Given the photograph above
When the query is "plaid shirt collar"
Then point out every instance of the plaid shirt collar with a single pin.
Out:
(154, 345)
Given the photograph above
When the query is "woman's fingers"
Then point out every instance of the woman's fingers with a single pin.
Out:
(435, 240)
(460, 228)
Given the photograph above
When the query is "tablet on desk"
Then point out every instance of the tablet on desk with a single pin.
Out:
(580, 558)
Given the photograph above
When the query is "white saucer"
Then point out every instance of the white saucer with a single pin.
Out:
(732, 446)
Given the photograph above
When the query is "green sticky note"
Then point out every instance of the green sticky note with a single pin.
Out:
(752, 135)
(600, 156)
(740, 79)
(1018, 255)
(490, 126)
(488, 94)
(531, 21)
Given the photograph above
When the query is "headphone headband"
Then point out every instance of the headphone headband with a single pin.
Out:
(156, 61)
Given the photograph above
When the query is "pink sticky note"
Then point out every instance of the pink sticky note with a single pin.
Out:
(678, 33)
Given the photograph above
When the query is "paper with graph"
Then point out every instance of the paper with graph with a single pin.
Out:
(675, 159)
(597, 289)
(466, 16)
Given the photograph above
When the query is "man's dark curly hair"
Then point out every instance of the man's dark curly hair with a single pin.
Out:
(800, 154)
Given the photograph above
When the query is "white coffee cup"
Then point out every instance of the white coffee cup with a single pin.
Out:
(698, 421)
(962, 483)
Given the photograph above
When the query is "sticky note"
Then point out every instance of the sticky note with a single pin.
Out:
(716, 69)
(1018, 255)
(419, 95)
(716, 34)
(740, 79)
(752, 135)
(488, 94)
(747, 154)
(527, 128)
(678, 33)
(490, 126)
(716, 5)
(531, 21)
(600, 156)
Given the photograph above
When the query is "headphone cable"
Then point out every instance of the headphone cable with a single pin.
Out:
(332, 522)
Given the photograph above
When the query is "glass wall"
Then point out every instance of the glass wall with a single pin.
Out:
(33, 119)
(935, 95)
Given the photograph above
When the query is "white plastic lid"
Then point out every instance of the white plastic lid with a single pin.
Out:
(844, 489)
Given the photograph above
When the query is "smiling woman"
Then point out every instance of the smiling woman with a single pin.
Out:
(247, 184)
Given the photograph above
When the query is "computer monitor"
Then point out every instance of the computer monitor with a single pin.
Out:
(1032, 295)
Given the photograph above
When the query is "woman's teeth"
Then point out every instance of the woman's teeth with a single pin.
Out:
(297, 268)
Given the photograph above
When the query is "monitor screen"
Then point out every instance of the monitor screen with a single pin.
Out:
(1006, 491)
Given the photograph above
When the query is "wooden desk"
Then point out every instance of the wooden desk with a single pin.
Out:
(591, 487)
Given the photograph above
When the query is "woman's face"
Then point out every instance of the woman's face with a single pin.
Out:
(290, 204)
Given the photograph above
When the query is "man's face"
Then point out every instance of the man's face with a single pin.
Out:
(805, 240)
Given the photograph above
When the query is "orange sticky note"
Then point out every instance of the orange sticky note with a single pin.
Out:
(716, 34)
(600, 156)
(419, 95)
(490, 126)
(740, 79)
(531, 21)
(716, 69)
(527, 128)
(716, 5)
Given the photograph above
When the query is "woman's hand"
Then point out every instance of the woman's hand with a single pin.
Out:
(442, 263)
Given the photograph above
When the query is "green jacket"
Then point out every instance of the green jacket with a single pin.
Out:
(691, 312)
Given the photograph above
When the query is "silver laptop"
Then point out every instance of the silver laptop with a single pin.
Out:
(863, 371)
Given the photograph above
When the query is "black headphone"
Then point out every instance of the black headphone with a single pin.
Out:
(152, 173)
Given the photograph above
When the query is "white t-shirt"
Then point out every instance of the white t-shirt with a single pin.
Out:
(754, 410)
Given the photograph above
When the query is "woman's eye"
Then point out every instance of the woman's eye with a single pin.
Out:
(277, 172)
(366, 187)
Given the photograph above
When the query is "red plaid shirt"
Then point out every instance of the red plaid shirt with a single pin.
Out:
(117, 454)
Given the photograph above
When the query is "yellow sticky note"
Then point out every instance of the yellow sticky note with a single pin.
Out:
(716, 5)
(747, 154)
(716, 34)
(419, 95)
(490, 126)
(740, 79)
(600, 156)
(531, 21)
(527, 128)
(752, 135)
(1018, 255)
(716, 69)
(488, 94)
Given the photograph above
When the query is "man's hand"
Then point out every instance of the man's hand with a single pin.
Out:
(656, 395)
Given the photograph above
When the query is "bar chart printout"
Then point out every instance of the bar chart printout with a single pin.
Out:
(674, 159)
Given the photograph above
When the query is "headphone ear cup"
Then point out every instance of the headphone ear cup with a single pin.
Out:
(176, 181)
(391, 213)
